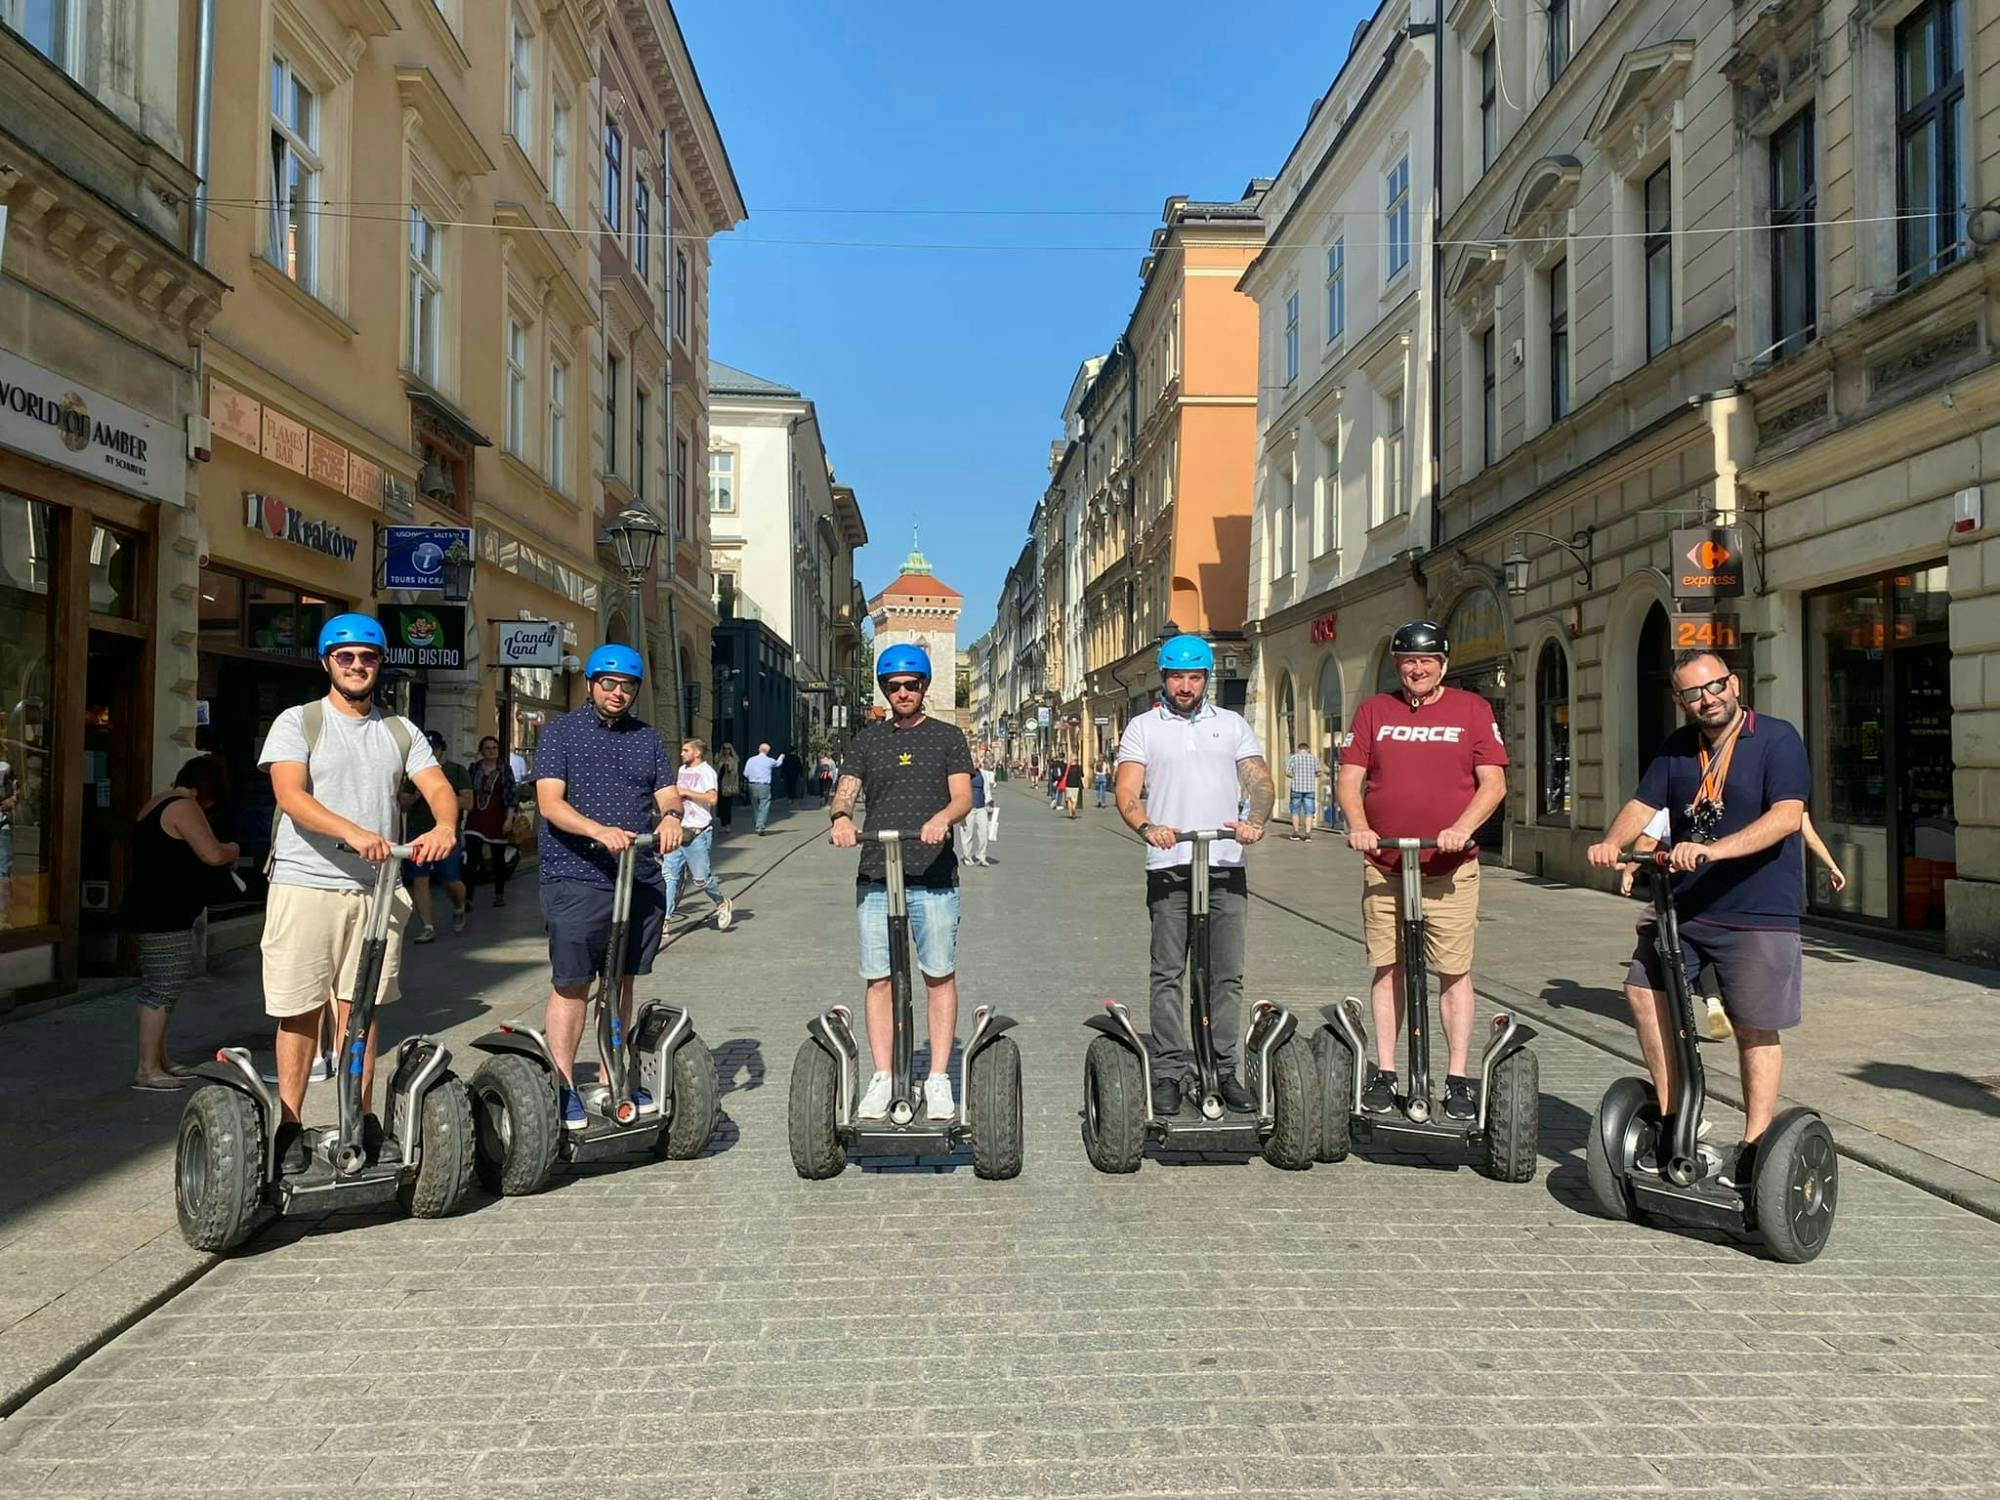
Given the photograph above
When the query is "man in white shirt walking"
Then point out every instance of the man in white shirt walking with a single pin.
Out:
(700, 789)
(757, 773)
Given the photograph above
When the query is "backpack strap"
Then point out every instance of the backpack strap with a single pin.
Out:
(313, 721)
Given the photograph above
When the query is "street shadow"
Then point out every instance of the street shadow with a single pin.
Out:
(1567, 994)
(1977, 1095)
(743, 1055)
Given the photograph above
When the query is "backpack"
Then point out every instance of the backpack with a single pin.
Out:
(978, 788)
(313, 721)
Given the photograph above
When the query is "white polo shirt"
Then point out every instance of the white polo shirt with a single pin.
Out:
(1191, 779)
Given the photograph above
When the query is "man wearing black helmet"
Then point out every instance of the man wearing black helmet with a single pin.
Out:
(1423, 763)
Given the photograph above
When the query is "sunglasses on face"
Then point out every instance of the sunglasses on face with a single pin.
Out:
(621, 685)
(1692, 696)
(352, 659)
(905, 685)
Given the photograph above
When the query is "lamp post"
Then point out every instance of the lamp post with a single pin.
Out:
(457, 572)
(1516, 568)
(633, 538)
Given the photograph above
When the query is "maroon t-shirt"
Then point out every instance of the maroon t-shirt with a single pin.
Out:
(1420, 767)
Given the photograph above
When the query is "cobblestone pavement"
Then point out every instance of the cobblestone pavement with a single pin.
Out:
(720, 1328)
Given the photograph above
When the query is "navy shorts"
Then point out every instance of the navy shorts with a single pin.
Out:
(579, 923)
(1760, 970)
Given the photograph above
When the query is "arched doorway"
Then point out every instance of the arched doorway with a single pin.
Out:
(1332, 731)
(1477, 630)
(1653, 685)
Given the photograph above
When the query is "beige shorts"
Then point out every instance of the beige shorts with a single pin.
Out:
(1451, 916)
(311, 935)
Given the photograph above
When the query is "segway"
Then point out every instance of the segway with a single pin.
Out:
(826, 1075)
(1795, 1178)
(226, 1156)
(1118, 1115)
(1503, 1134)
(519, 1128)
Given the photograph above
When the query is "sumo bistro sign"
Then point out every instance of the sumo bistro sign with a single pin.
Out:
(68, 425)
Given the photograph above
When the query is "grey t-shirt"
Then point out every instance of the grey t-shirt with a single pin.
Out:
(355, 771)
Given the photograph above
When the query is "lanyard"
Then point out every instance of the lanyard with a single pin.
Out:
(1706, 808)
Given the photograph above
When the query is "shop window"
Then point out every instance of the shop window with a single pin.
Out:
(1552, 761)
(221, 613)
(255, 614)
(27, 667)
(114, 573)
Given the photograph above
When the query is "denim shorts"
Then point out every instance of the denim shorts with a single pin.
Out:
(1302, 804)
(933, 922)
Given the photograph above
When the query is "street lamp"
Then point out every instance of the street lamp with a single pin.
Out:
(1516, 567)
(633, 538)
(457, 572)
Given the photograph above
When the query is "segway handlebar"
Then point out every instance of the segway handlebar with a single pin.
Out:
(640, 841)
(396, 851)
(1418, 846)
(1190, 835)
(1655, 857)
(883, 835)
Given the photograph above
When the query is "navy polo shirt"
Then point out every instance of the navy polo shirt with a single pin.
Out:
(610, 774)
(1769, 766)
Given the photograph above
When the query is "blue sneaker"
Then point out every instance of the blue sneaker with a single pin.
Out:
(571, 1105)
(644, 1101)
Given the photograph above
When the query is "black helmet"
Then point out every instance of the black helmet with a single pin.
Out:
(1420, 638)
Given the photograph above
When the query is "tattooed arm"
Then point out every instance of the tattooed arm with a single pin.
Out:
(1253, 776)
(842, 812)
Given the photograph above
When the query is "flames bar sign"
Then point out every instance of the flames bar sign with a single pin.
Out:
(1708, 562)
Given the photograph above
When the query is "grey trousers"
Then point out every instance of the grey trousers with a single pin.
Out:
(1228, 909)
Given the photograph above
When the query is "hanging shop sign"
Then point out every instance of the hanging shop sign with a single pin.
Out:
(48, 417)
(250, 423)
(286, 523)
(1708, 562)
(413, 556)
(531, 643)
(424, 635)
(1323, 628)
(1709, 631)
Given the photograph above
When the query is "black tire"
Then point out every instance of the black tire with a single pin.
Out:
(1114, 1106)
(1619, 1131)
(1797, 1187)
(994, 1089)
(697, 1103)
(1334, 1063)
(809, 1117)
(444, 1176)
(1295, 1106)
(1514, 1118)
(218, 1168)
(515, 1125)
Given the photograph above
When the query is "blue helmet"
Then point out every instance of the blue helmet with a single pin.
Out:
(352, 630)
(622, 660)
(903, 658)
(1187, 653)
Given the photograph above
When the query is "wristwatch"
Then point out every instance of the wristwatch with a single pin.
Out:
(671, 813)
(835, 817)
(1144, 829)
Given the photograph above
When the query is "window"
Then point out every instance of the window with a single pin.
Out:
(642, 225)
(640, 401)
(1930, 140)
(1657, 247)
(516, 437)
(1336, 289)
(52, 27)
(1394, 501)
(520, 82)
(1559, 341)
(1292, 339)
(722, 481)
(614, 177)
(614, 372)
(683, 521)
(1558, 39)
(559, 424)
(1489, 392)
(1552, 733)
(295, 175)
(1794, 247)
(1396, 218)
(681, 295)
(559, 156)
(1326, 503)
(28, 774)
(1284, 518)
(426, 295)
(1489, 104)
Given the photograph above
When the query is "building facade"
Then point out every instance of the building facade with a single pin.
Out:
(920, 609)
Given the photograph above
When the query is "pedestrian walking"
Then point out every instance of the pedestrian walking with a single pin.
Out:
(1303, 771)
(1100, 781)
(700, 790)
(451, 869)
(757, 773)
(602, 776)
(972, 834)
(729, 776)
(1189, 764)
(175, 861)
(916, 773)
(337, 766)
(792, 771)
(1433, 766)
(1055, 785)
(489, 824)
(1072, 788)
(825, 776)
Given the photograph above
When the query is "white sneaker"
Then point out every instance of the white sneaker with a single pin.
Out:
(322, 1068)
(875, 1098)
(938, 1103)
(724, 915)
(1719, 1029)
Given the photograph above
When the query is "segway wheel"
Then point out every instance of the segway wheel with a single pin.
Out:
(515, 1125)
(1295, 1106)
(1514, 1118)
(809, 1117)
(995, 1091)
(1626, 1119)
(444, 1176)
(697, 1105)
(1335, 1066)
(1797, 1186)
(1114, 1106)
(218, 1168)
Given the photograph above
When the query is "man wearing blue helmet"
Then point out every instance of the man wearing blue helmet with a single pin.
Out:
(917, 773)
(1188, 764)
(602, 776)
(337, 766)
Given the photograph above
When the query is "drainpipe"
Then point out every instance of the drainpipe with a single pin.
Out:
(204, 110)
(1434, 29)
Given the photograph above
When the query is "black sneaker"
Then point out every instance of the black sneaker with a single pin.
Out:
(1379, 1098)
(1166, 1096)
(1235, 1096)
(1461, 1098)
(294, 1155)
(1735, 1166)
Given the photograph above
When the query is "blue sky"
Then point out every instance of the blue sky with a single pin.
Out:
(940, 374)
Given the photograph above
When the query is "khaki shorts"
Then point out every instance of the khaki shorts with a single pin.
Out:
(310, 935)
(1451, 916)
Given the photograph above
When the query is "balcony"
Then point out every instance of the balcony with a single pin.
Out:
(734, 604)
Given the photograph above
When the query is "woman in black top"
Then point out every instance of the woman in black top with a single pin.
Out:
(174, 855)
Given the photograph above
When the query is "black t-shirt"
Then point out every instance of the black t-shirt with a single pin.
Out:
(904, 777)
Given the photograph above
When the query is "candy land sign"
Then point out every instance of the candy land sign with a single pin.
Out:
(530, 643)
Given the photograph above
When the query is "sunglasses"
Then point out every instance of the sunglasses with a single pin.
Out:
(1692, 696)
(904, 685)
(355, 658)
(624, 685)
